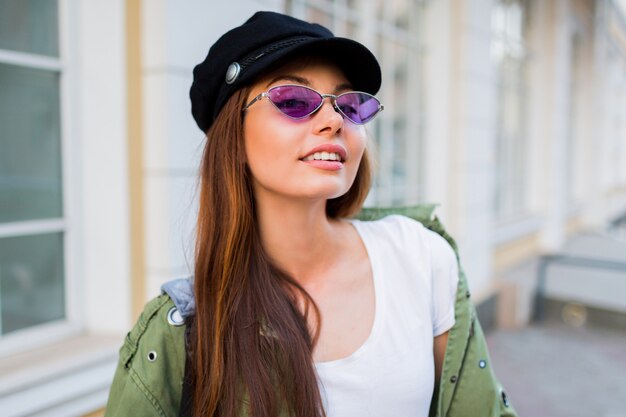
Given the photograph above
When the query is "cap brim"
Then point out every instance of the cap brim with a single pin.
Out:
(355, 60)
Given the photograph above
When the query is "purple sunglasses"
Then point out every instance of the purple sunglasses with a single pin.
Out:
(298, 101)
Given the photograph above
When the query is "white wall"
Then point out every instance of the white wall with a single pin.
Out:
(471, 151)
(176, 36)
(100, 144)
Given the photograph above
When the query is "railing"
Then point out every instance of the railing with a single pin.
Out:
(617, 227)
(542, 274)
(619, 221)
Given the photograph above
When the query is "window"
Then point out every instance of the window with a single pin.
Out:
(32, 221)
(391, 29)
(577, 115)
(510, 52)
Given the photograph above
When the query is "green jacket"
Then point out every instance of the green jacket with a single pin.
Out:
(149, 376)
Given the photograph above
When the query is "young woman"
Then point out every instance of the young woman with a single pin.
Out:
(295, 308)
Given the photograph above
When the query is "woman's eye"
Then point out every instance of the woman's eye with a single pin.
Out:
(291, 104)
(348, 109)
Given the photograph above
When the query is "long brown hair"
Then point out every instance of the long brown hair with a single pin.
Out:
(250, 345)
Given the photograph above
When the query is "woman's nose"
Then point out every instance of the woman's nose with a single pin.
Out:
(328, 118)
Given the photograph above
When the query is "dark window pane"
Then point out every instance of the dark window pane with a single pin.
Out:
(32, 290)
(29, 26)
(30, 144)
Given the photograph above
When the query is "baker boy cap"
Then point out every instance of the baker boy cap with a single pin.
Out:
(245, 52)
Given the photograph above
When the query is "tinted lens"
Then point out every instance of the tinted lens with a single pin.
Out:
(358, 107)
(295, 101)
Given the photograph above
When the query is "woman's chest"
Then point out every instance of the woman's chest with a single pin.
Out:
(347, 314)
(392, 373)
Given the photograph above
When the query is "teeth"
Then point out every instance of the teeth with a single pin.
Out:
(323, 156)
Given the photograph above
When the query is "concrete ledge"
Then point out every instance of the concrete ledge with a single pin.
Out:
(68, 379)
(581, 315)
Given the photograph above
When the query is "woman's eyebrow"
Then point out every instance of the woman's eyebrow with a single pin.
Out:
(343, 87)
(288, 77)
(301, 80)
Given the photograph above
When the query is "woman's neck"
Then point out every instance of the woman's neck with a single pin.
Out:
(299, 236)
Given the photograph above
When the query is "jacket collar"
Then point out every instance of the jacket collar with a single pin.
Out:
(181, 292)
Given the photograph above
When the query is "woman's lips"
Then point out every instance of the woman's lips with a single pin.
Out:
(330, 148)
(326, 165)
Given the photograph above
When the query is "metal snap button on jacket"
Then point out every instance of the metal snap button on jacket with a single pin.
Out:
(174, 318)
(505, 398)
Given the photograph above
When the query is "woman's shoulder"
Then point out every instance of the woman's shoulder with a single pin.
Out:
(159, 325)
(408, 238)
(151, 364)
(392, 223)
(398, 228)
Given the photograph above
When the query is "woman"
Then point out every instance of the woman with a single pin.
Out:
(294, 308)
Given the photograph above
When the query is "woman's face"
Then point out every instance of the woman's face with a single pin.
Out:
(280, 150)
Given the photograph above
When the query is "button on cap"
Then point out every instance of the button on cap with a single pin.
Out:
(232, 72)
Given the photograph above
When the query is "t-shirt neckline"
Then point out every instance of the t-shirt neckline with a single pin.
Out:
(379, 299)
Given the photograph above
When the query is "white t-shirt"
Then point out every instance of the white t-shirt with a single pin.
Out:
(415, 279)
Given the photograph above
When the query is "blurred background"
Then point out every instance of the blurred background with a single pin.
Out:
(511, 114)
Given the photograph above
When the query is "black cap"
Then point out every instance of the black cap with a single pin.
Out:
(246, 51)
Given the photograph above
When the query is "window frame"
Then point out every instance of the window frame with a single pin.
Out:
(509, 207)
(386, 190)
(72, 324)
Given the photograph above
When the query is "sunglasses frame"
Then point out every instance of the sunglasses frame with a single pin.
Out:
(333, 98)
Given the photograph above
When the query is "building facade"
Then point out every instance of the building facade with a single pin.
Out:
(509, 113)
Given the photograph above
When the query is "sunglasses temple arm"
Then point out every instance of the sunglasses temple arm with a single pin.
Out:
(254, 100)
